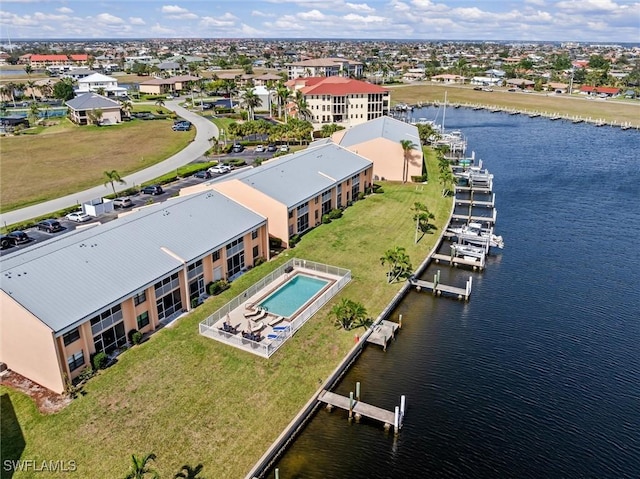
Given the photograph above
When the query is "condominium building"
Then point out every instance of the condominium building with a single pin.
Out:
(63, 300)
(325, 67)
(341, 100)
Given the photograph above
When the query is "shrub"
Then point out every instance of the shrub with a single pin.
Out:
(326, 219)
(259, 260)
(130, 334)
(294, 240)
(335, 214)
(360, 196)
(100, 360)
(136, 338)
(86, 374)
(419, 179)
(275, 242)
(194, 303)
(217, 287)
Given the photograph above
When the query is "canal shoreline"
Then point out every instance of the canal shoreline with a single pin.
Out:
(297, 424)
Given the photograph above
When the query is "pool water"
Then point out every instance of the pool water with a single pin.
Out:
(292, 295)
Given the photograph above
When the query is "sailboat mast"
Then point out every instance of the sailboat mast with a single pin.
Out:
(444, 111)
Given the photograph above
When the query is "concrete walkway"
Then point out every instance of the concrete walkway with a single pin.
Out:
(205, 129)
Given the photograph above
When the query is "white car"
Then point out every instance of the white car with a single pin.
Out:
(78, 217)
(259, 149)
(284, 148)
(219, 169)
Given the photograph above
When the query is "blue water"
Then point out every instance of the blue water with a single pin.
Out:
(287, 299)
(538, 375)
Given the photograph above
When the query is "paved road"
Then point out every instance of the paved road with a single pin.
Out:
(205, 129)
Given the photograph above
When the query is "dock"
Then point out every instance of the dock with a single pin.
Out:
(360, 409)
(475, 263)
(440, 289)
(382, 333)
(472, 202)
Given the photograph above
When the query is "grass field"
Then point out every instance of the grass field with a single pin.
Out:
(609, 110)
(193, 400)
(68, 158)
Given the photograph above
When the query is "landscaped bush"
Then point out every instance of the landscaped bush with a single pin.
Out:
(275, 242)
(360, 196)
(335, 213)
(136, 338)
(419, 179)
(326, 219)
(294, 240)
(217, 287)
(130, 334)
(194, 303)
(100, 360)
(259, 260)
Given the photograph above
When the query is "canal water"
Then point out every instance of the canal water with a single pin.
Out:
(538, 375)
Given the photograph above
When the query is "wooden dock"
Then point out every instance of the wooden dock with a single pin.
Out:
(442, 289)
(382, 333)
(474, 202)
(475, 263)
(473, 188)
(469, 218)
(359, 409)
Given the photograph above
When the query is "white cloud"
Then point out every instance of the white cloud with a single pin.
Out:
(250, 31)
(537, 3)
(400, 6)
(360, 7)
(588, 5)
(355, 19)
(312, 15)
(215, 22)
(173, 9)
(136, 21)
(158, 29)
(109, 19)
(258, 13)
(64, 10)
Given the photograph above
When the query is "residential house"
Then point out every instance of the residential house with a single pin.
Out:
(65, 61)
(85, 291)
(379, 141)
(81, 106)
(161, 86)
(294, 191)
(603, 91)
(325, 67)
(98, 82)
(343, 101)
(448, 79)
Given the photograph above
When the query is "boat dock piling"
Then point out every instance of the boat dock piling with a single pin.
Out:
(439, 289)
(357, 409)
(383, 332)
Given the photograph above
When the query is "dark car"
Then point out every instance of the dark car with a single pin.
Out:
(237, 148)
(181, 127)
(204, 174)
(152, 190)
(5, 242)
(18, 237)
(272, 147)
(50, 226)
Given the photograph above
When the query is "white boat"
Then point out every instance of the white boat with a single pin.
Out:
(474, 233)
(468, 251)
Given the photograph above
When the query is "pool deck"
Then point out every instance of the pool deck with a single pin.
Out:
(266, 321)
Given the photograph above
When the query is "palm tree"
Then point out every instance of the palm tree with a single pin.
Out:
(349, 314)
(11, 88)
(407, 146)
(113, 177)
(32, 86)
(284, 95)
(160, 102)
(398, 261)
(95, 116)
(421, 217)
(250, 101)
(302, 110)
(139, 468)
(126, 107)
(189, 472)
(34, 112)
(447, 180)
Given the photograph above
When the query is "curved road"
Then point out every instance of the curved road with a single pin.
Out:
(205, 129)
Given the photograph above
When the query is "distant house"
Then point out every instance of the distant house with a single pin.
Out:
(486, 81)
(520, 83)
(99, 82)
(448, 79)
(599, 90)
(82, 105)
(44, 61)
(325, 67)
(161, 86)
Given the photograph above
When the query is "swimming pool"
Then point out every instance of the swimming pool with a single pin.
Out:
(292, 295)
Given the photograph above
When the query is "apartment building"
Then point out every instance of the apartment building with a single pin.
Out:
(343, 101)
(83, 292)
(97, 82)
(325, 67)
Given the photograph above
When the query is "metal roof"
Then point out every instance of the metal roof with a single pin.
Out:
(294, 178)
(383, 127)
(90, 101)
(69, 279)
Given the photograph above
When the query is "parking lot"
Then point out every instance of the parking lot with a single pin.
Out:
(171, 189)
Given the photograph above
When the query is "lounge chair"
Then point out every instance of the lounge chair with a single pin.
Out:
(253, 313)
(257, 327)
(276, 320)
(263, 314)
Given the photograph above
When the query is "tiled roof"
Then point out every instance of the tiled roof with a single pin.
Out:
(341, 86)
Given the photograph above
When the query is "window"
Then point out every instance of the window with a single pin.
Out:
(110, 339)
(216, 255)
(75, 360)
(256, 252)
(169, 304)
(71, 337)
(142, 320)
(106, 319)
(167, 284)
(140, 298)
(290, 214)
(235, 246)
(254, 234)
(195, 269)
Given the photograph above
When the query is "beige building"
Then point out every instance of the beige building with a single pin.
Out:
(341, 100)
(379, 141)
(84, 292)
(161, 86)
(80, 109)
(325, 67)
(294, 191)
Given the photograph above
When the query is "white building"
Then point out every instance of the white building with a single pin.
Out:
(325, 67)
(96, 82)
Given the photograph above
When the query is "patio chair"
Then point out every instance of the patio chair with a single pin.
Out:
(253, 313)
(276, 320)
(257, 327)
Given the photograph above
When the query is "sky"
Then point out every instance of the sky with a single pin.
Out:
(589, 21)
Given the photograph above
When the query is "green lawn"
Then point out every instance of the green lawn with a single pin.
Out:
(193, 400)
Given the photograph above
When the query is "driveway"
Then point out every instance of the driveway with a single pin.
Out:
(204, 130)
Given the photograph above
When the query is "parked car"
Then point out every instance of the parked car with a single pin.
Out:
(284, 148)
(124, 202)
(78, 217)
(237, 148)
(152, 190)
(259, 149)
(5, 242)
(50, 226)
(204, 174)
(169, 97)
(18, 237)
(181, 127)
(219, 169)
(272, 147)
